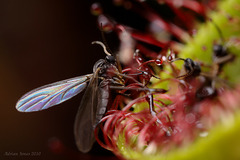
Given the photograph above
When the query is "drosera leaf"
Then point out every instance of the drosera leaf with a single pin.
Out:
(221, 142)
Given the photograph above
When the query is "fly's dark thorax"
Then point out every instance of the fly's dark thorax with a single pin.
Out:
(107, 70)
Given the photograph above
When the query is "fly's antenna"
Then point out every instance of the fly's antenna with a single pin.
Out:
(218, 30)
(103, 46)
(106, 48)
(104, 39)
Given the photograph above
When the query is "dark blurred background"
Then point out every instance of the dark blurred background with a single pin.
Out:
(44, 41)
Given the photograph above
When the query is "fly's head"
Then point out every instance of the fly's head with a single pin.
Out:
(108, 68)
(192, 67)
(110, 59)
(104, 64)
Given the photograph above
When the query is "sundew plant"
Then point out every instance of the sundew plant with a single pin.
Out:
(180, 62)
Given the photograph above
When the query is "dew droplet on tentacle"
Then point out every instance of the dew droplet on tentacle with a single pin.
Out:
(158, 62)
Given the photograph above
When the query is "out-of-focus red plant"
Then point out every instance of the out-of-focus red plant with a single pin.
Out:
(164, 29)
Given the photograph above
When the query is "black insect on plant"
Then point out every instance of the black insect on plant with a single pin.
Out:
(207, 80)
(220, 56)
(94, 102)
(192, 69)
(204, 82)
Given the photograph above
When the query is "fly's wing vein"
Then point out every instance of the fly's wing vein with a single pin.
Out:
(52, 94)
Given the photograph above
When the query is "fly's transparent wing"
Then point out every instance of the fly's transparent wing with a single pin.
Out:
(86, 115)
(52, 94)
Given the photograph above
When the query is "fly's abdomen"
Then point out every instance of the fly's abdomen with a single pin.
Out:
(103, 99)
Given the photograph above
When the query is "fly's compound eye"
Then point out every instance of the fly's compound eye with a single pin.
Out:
(110, 59)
